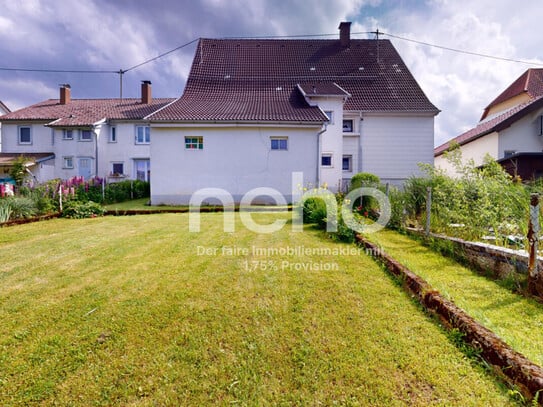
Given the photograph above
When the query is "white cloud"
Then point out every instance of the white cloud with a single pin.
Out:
(462, 85)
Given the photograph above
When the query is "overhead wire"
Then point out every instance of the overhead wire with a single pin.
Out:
(461, 51)
(122, 71)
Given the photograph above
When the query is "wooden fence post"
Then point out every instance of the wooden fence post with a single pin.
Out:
(535, 278)
(428, 210)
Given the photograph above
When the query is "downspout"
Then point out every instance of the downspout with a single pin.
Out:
(360, 151)
(95, 151)
(324, 128)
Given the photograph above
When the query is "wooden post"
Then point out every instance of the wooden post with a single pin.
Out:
(60, 197)
(535, 278)
(428, 210)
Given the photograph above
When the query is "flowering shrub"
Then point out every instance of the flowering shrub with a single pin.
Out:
(80, 210)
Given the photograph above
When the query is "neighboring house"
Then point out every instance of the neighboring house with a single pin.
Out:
(68, 137)
(510, 130)
(255, 111)
(3, 110)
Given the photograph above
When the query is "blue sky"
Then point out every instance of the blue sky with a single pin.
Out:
(113, 35)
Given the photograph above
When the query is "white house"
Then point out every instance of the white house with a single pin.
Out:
(510, 130)
(255, 111)
(3, 110)
(68, 137)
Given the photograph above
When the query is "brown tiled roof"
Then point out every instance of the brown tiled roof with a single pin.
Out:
(86, 112)
(530, 82)
(497, 123)
(256, 80)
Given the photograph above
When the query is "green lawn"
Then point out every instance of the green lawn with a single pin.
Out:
(514, 318)
(130, 311)
(137, 204)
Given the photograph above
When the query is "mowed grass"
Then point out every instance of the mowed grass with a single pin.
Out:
(128, 311)
(516, 319)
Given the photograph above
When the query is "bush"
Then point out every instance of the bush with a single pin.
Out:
(314, 210)
(365, 180)
(80, 210)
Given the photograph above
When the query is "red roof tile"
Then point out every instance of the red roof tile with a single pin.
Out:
(86, 112)
(256, 80)
(530, 82)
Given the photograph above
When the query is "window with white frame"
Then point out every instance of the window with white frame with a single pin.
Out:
(194, 143)
(347, 163)
(142, 170)
(348, 126)
(68, 162)
(113, 134)
(85, 135)
(143, 134)
(117, 168)
(67, 134)
(25, 135)
(279, 143)
(326, 160)
(330, 115)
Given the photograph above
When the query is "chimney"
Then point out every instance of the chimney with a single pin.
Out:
(65, 94)
(146, 92)
(345, 33)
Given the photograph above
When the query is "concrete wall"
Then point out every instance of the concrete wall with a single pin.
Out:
(236, 159)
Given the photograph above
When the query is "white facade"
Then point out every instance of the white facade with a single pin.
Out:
(240, 158)
(475, 150)
(392, 146)
(98, 151)
(236, 159)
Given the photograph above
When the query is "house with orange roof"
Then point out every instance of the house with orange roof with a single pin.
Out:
(255, 111)
(510, 130)
(67, 137)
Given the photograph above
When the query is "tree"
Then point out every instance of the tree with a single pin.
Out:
(18, 170)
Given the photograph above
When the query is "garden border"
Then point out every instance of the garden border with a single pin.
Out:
(511, 365)
(15, 222)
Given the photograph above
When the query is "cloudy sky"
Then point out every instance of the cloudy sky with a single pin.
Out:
(113, 35)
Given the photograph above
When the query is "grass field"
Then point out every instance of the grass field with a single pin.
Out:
(138, 311)
(516, 319)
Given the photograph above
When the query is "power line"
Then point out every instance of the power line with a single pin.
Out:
(377, 33)
(159, 56)
(461, 51)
